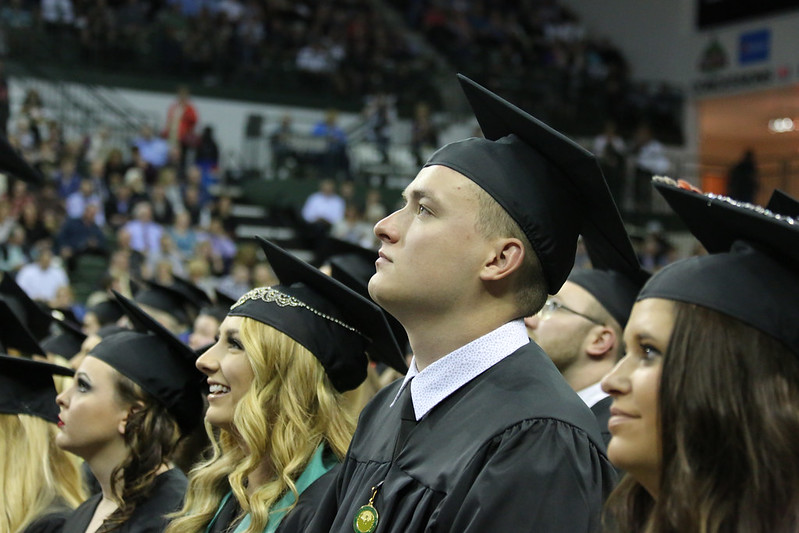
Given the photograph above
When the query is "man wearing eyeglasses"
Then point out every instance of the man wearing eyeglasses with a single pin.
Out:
(580, 329)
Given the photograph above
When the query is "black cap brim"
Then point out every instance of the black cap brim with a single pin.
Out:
(27, 388)
(35, 319)
(14, 334)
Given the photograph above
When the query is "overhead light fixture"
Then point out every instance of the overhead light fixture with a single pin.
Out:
(781, 125)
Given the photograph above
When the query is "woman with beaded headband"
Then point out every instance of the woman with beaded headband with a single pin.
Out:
(706, 400)
(284, 356)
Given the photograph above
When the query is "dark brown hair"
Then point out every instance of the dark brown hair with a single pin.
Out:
(151, 436)
(729, 411)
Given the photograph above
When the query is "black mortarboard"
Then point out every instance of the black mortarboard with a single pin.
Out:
(167, 299)
(34, 317)
(616, 275)
(12, 163)
(195, 296)
(223, 300)
(27, 388)
(14, 334)
(107, 312)
(158, 362)
(337, 325)
(551, 186)
(354, 266)
(783, 204)
(752, 272)
(66, 342)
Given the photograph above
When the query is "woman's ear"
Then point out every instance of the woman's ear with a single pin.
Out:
(135, 408)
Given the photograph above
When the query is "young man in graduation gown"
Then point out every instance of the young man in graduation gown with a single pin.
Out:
(580, 328)
(483, 434)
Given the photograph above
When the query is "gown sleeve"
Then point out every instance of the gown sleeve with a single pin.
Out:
(539, 475)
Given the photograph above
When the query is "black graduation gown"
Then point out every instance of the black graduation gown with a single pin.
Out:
(308, 503)
(515, 449)
(148, 517)
(52, 520)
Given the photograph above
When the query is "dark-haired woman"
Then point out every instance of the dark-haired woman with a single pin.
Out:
(133, 397)
(705, 416)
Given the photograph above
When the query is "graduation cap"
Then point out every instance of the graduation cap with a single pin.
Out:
(27, 388)
(14, 334)
(354, 266)
(223, 300)
(158, 362)
(170, 300)
(67, 342)
(783, 204)
(107, 312)
(194, 295)
(752, 272)
(29, 313)
(616, 275)
(551, 186)
(12, 163)
(337, 325)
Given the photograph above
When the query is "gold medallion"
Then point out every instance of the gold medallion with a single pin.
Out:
(365, 519)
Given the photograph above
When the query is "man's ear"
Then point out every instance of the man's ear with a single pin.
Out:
(602, 339)
(506, 257)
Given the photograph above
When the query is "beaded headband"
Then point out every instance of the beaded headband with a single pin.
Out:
(272, 295)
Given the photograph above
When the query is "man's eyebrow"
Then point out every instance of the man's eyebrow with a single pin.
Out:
(416, 194)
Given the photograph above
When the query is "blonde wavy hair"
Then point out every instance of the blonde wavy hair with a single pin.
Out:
(34, 472)
(290, 409)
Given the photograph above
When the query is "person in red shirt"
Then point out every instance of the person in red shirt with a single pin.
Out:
(181, 119)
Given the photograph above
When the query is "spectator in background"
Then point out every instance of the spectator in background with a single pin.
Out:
(42, 279)
(86, 194)
(32, 223)
(145, 234)
(609, 148)
(380, 111)
(650, 160)
(742, 179)
(81, 235)
(334, 160)
(118, 207)
(183, 235)
(207, 153)
(14, 252)
(282, 150)
(7, 220)
(324, 207)
(163, 212)
(114, 164)
(181, 119)
(200, 214)
(352, 228)
(153, 150)
(221, 244)
(424, 134)
(5, 109)
(237, 282)
(167, 254)
(374, 210)
(67, 178)
(223, 210)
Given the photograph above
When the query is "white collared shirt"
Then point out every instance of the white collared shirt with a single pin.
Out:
(435, 383)
(592, 395)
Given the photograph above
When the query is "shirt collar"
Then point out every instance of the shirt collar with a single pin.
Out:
(593, 394)
(438, 381)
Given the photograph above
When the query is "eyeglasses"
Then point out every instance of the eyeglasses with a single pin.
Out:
(552, 305)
